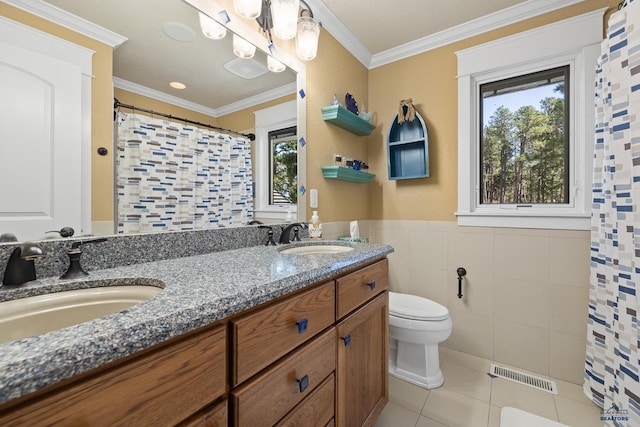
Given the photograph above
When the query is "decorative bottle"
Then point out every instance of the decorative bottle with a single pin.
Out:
(315, 228)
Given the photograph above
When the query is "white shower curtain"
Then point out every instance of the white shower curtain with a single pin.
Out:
(612, 365)
(175, 177)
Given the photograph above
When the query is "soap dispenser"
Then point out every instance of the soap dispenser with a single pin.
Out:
(315, 229)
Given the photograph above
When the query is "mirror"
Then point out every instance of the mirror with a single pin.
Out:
(151, 59)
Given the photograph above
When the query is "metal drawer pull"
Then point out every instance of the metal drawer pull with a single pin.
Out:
(303, 383)
(372, 284)
(302, 326)
(346, 340)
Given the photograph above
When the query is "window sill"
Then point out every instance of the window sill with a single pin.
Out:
(522, 220)
(277, 213)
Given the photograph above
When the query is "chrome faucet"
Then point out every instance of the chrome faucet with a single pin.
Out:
(21, 268)
(285, 237)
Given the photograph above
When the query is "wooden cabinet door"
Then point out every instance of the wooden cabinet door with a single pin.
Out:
(160, 388)
(215, 416)
(362, 365)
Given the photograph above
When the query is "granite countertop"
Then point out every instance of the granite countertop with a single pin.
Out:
(198, 290)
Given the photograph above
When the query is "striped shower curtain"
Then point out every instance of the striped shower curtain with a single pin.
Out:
(174, 177)
(612, 367)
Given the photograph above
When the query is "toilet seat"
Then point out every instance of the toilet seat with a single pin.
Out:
(416, 308)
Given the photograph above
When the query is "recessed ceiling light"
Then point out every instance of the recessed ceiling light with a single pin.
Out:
(178, 32)
(177, 85)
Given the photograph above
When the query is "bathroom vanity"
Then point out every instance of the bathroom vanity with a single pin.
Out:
(243, 337)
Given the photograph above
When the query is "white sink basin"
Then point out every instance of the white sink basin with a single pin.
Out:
(316, 249)
(36, 315)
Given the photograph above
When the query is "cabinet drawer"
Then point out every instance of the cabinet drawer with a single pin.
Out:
(271, 395)
(215, 416)
(264, 336)
(162, 387)
(357, 288)
(316, 410)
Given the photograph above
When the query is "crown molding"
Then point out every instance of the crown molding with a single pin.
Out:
(58, 16)
(251, 101)
(340, 32)
(519, 12)
(161, 96)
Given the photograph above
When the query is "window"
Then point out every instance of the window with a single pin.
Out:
(523, 144)
(525, 127)
(283, 182)
(276, 162)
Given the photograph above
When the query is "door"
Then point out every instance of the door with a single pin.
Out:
(362, 365)
(41, 136)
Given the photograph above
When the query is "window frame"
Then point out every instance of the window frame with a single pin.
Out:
(574, 42)
(270, 119)
(565, 70)
(272, 141)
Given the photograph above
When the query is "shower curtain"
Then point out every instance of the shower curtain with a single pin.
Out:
(174, 177)
(612, 361)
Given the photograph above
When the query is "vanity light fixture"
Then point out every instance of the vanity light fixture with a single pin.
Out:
(212, 29)
(249, 9)
(282, 16)
(242, 48)
(274, 65)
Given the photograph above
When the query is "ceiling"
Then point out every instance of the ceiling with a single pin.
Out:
(382, 24)
(374, 31)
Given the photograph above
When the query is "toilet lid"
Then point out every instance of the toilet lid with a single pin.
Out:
(415, 307)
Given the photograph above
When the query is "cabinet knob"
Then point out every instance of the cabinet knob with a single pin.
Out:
(371, 284)
(302, 325)
(346, 339)
(303, 383)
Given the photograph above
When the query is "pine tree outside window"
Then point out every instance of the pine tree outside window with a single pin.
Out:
(529, 164)
(524, 144)
(283, 145)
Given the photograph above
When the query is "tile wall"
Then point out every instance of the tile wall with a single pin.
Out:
(525, 293)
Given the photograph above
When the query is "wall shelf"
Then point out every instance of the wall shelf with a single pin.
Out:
(339, 116)
(408, 149)
(346, 174)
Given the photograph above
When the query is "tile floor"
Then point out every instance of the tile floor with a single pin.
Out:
(470, 398)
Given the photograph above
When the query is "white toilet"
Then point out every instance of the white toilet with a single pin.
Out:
(416, 327)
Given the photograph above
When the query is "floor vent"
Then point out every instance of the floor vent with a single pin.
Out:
(522, 378)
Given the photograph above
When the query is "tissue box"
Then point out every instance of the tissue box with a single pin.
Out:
(361, 239)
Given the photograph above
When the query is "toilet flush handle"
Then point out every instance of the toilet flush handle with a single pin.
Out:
(461, 273)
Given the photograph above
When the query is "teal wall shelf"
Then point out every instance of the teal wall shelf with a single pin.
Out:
(339, 116)
(346, 174)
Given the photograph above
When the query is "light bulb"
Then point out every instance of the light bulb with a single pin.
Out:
(249, 9)
(285, 18)
(307, 38)
(212, 29)
(242, 48)
(274, 65)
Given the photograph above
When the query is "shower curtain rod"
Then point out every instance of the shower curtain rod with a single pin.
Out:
(117, 104)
